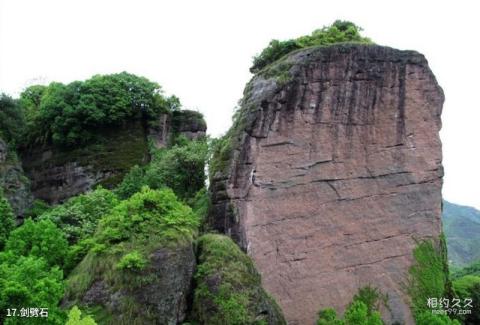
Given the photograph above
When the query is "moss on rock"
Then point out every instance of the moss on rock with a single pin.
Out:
(140, 264)
(229, 288)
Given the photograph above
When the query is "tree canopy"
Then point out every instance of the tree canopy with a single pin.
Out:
(68, 114)
(339, 32)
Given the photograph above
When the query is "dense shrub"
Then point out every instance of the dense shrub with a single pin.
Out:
(12, 121)
(338, 32)
(7, 219)
(181, 168)
(78, 217)
(147, 214)
(68, 114)
(428, 277)
(29, 281)
(75, 318)
(468, 287)
(363, 310)
(40, 239)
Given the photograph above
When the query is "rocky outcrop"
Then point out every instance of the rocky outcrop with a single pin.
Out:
(228, 287)
(58, 174)
(334, 171)
(180, 122)
(156, 295)
(13, 181)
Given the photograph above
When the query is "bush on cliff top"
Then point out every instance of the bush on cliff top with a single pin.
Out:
(338, 32)
(67, 114)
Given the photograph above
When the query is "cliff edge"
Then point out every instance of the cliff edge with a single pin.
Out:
(331, 173)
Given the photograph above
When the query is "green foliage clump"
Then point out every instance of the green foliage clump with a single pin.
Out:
(7, 220)
(145, 214)
(468, 287)
(29, 281)
(12, 121)
(181, 168)
(38, 208)
(220, 153)
(428, 277)
(78, 217)
(132, 261)
(228, 287)
(75, 318)
(338, 32)
(363, 310)
(200, 204)
(146, 221)
(40, 239)
(68, 114)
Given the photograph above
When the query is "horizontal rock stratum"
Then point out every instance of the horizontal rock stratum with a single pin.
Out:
(335, 171)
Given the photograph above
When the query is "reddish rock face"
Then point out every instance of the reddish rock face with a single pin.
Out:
(335, 173)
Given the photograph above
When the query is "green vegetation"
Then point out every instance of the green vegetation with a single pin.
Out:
(40, 239)
(228, 288)
(468, 287)
(78, 217)
(338, 32)
(134, 228)
(363, 310)
(75, 318)
(69, 114)
(428, 276)
(7, 219)
(132, 261)
(28, 281)
(11, 120)
(181, 168)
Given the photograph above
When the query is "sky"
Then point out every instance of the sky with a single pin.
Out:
(201, 52)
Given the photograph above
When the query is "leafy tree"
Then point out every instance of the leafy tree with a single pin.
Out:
(40, 239)
(329, 316)
(68, 114)
(338, 32)
(12, 120)
(147, 212)
(38, 208)
(29, 281)
(7, 220)
(131, 183)
(357, 314)
(78, 217)
(75, 318)
(181, 168)
(363, 310)
(468, 287)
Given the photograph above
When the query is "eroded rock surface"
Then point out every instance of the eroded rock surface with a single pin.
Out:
(336, 169)
(13, 182)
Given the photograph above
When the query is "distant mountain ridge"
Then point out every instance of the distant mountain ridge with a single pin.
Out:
(461, 225)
